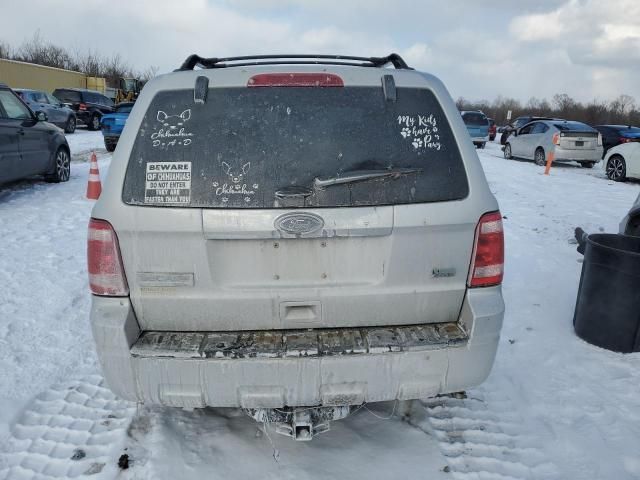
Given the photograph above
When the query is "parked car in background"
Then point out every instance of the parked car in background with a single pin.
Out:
(88, 105)
(57, 112)
(29, 145)
(112, 124)
(296, 279)
(517, 124)
(623, 161)
(613, 135)
(567, 141)
(492, 129)
(477, 125)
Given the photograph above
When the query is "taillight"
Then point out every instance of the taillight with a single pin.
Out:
(624, 140)
(556, 138)
(295, 80)
(82, 106)
(106, 274)
(488, 252)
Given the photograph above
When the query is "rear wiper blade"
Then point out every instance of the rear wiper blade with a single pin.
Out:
(362, 175)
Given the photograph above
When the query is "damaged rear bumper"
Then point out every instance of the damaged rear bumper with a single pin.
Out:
(274, 369)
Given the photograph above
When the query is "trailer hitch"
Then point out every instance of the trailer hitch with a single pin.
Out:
(300, 423)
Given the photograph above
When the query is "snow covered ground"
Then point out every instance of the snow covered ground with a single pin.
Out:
(554, 407)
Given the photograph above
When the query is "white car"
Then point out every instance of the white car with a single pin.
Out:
(623, 161)
(567, 140)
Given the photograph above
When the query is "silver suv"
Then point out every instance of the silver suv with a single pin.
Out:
(295, 236)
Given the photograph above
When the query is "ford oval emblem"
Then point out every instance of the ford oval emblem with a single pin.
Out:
(299, 223)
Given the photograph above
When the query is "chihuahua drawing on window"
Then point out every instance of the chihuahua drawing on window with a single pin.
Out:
(236, 175)
(173, 122)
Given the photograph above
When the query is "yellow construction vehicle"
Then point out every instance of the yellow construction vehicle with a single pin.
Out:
(128, 90)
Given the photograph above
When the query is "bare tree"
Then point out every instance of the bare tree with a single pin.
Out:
(148, 73)
(621, 108)
(563, 102)
(37, 50)
(5, 50)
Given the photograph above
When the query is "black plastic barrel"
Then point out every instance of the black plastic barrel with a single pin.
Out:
(607, 310)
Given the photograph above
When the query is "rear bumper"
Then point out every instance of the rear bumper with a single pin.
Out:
(567, 155)
(175, 369)
(83, 116)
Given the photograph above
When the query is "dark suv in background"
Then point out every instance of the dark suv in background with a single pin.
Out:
(57, 113)
(89, 105)
(614, 135)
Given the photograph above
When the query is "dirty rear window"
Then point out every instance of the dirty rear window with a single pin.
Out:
(294, 147)
(476, 119)
(70, 96)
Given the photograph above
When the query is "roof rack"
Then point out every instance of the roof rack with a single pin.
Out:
(296, 59)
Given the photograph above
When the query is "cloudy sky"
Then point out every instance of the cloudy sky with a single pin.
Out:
(480, 49)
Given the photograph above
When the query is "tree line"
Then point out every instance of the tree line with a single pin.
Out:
(620, 111)
(42, 52)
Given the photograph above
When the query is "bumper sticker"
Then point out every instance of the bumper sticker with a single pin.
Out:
(168, 182)
(422, 130)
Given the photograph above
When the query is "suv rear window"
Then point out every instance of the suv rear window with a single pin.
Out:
(69, 96)
(265, 148)
(473, 118)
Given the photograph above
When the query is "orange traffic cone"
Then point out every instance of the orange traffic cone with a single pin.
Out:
(94, 187)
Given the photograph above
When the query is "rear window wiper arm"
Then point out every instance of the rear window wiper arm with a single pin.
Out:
(362, 175)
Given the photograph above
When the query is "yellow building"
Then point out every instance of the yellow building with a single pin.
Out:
(37, 77)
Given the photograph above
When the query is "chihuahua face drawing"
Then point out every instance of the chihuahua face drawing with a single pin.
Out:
(173, 122)
(236, 175)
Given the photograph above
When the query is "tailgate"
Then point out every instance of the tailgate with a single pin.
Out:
(395, 268)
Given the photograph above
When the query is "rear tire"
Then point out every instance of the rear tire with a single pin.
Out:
(587, 164)
(616, 168)
(110, 145)
(61, 168)
(94, 122)
(507, 151)
(539, 157)
(482, 145)
(70, 127)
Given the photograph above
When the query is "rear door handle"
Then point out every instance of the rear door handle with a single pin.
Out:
(20, 131)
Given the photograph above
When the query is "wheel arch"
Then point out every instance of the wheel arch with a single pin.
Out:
(54, 151)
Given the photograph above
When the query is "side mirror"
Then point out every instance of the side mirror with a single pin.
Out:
(41, 116)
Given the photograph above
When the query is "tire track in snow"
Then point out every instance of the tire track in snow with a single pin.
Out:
(482, 439)
(73, 429)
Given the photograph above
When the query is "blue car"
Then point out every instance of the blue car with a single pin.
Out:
(112, 124)
(478, 126)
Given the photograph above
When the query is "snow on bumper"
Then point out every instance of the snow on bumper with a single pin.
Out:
(296, 368)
